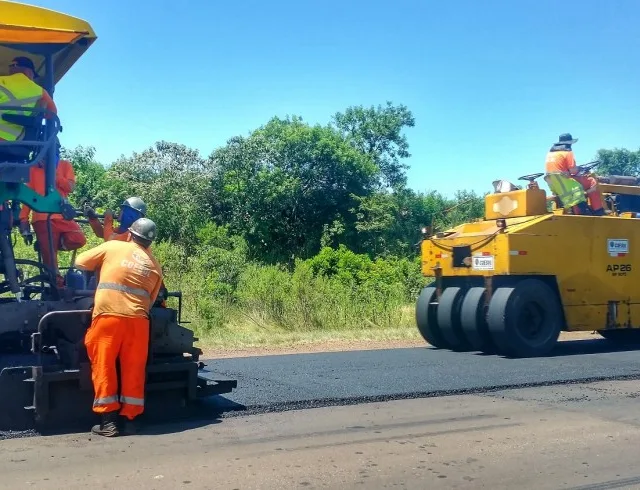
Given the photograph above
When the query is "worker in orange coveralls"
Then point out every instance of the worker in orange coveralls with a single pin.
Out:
(131, 209)
(67, 235)
(129, 282)
(560, 159)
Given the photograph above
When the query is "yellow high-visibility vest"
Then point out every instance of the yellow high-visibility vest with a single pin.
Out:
(569, 191)
(17, 90)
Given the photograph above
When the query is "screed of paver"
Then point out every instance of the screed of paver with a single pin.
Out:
(546, 439)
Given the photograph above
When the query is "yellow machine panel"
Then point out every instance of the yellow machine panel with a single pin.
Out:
(513, 204)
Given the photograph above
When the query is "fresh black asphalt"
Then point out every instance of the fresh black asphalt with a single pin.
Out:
(283, 382)
(301, 381)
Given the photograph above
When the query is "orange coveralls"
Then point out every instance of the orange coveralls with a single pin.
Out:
(107, 233)
(563, 161)
(67, 235)
(130, 279)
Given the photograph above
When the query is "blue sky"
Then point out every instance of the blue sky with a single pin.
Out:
(491, 83)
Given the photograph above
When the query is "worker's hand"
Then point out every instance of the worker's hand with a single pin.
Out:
(89, 212)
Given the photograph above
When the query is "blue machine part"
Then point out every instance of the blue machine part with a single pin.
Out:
(75, 279)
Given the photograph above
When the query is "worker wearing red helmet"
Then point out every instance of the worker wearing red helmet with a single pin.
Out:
(130, 280)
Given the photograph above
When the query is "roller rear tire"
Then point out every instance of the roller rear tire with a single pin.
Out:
(525, 320)
(427, 319)
(449, 318)
(473, 318)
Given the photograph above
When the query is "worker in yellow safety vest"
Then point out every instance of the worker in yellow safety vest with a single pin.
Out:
(561, 170)
(19, 89)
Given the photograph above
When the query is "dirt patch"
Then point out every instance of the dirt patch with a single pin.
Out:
(345, 346)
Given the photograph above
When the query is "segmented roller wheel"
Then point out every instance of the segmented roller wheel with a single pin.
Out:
(627, 336)
(449, 318)
(427, 320)
(473, 319)
(525, 320)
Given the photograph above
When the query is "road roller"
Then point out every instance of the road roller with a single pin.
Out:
(535, 265)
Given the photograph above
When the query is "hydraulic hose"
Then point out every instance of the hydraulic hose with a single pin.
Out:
(9, 263)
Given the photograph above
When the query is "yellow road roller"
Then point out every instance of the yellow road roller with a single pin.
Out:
(534, 266)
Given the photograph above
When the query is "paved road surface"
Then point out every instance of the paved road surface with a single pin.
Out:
(274, 383)
(562, 437)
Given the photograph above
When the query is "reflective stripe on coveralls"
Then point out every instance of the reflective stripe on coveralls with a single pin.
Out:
(105, 400)
(16, 90)
(569, 191)
(109, 234)
(122, 288)
(132, 401)
(114, 399)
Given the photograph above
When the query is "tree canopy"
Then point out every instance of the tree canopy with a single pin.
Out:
(288, 188)
(619, 161)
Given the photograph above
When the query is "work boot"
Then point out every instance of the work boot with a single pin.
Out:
(108, 425)
(599, 212)
(130, 427)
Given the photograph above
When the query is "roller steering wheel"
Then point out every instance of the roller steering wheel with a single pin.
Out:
(586, 168)
(531, 177)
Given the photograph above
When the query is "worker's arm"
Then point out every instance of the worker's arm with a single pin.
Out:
(570, 163)
(65, 177)
(47, 102)
(94, 222)
(91, 259)
(96, 226)
(108, 226)
(156, 290)
(159, 283)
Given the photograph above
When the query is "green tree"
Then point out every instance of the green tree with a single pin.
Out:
(377, 132)
(281, 186)
(174, 182)
(91, 186)
(619, 161)
(465, 206)
(389, 224)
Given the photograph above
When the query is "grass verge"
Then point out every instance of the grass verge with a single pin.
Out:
(252, 334)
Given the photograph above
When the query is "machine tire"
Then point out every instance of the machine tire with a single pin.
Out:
(473, 318)
(449, 319)
(427, 320)
(514, 331)
(628, 336)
